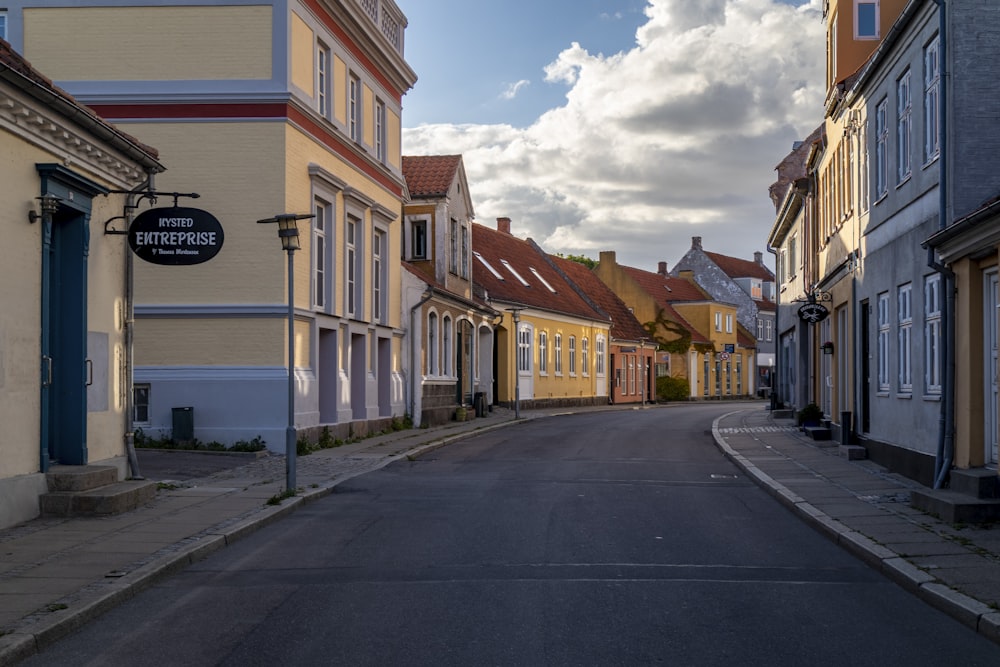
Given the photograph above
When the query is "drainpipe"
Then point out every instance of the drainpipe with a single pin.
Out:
(414, 366)
(946, 422)
(776, 373)
(129, 326)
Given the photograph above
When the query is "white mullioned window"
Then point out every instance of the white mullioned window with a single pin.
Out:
(524, 349)
(447, 355)
(464, 269)
(932, 334)
(767, 330)
(863, 187)
(354, 107)
(883, 341)
(380, 130)
(881, 149)
(453, 246)
(718, 321)
(572, 355)
(932, 99)
(729, 323)
(557, 352)
(585, 356)
(543, 352)
(432, 341)
(904, 312)
(323, 79)
(599, 351)
(760, 329)
(904, 126)
(321, 224)
(379, 276)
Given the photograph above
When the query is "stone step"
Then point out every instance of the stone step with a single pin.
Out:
(975, 482)
(955, 507)
(80, 478)
(110, 499)
(853, 452)
(817, 432)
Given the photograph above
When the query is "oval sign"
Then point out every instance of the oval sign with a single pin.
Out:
(175, 236)
(813, 312)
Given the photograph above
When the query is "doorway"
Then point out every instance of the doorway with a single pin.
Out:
(991, 302)
(866, 366)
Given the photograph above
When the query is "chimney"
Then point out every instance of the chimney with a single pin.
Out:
(503, 225)
(758, 257)
(608, 257)
(696, 242)
(663, 269)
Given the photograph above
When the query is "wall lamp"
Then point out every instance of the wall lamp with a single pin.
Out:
(49, 204)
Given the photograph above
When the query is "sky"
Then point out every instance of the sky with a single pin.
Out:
(625, 125)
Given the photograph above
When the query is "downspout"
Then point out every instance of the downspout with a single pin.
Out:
(129, 326)
(946, 422)
(776, 373)
(414, 367)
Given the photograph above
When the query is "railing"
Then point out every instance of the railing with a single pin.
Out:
(388, 19)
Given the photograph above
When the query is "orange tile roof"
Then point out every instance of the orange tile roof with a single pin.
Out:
(430, 175)
(624, 326)
(666, 290)
(523, 256)
(735, 267)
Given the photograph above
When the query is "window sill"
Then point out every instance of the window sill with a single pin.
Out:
(904, 180)
(882, 394)
(906, 396)
(931, 160)
(934, 398)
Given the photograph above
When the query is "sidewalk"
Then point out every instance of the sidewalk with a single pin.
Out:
(865, 509)
(57, 574)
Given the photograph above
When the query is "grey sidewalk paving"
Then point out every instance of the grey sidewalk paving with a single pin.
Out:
(865, 509)
(57, 574)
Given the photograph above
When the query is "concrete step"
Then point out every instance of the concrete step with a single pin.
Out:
(955, 507)
(109, 499)
(975, 482)
(817, 432)
(853, 452)
(80, 478)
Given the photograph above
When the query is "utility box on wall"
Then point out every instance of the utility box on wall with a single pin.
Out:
(183, 424)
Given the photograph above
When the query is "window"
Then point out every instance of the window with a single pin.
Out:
(729, 378)
(558, 354)
(767, 330)
(353, 107)
(446, 354)
(585, 356)
(379, 276)
(464, 271)
(706, 373)
(524, 349)
(418, 239)
(718, 377)
(600, 355)
(932, 334)
(739, 376)
(543, 352)
(453, 246)
(321, 223)
(729, 323)
(905, 321)
(863, 176)
(883, 341)
(323, 79)
(760, 329)
(904, 123)
(432, 352)
(718, 321)
(631, 374)
(482, 260)
(932, 87)
(352, 266)
(3, 24)
(572, 355)
(881, 150)
(140, 399)
(866, 19)
(380, 130)
(542, 280)
(793, 255)
(514, 273)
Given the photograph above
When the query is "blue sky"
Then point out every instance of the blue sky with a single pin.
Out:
(626, 125)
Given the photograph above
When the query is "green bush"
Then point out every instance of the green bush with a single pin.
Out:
(810, 413)
(672, 389)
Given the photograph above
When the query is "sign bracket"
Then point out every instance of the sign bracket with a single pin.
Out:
(129, 208)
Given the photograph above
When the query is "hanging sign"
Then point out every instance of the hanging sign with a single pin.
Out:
(175, 236)
(813, 312)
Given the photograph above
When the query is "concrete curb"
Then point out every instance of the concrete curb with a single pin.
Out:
(968, 611)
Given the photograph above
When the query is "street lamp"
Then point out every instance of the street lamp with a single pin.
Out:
(288, 232)
(642, 360)
(516, 313)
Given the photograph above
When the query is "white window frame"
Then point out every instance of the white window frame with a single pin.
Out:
(141, 393)
(932, 334)
(760, 329)
(729, 323)
(585, 356)
(524, 349)
(932, 99)
(718, 321)
(572, 355)
(353, 264)
(767, 329)
(432, 343)
(517, 275)
(453, 246)
(874, 4)
(557, 350)
(380, 275)
(489, 267)
(380, 137)
(904, 127)
(320, 251)
(464, 269)
(418, 238)
(904, 312)
(883, 341)
(881, 149)
(354, 103)
(600, 358)
(543, 353)
(323, 105)
(447, 352)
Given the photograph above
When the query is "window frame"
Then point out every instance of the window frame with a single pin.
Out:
(876, 18)
(323, 60)
(882, 345)
(585, 356)
(904, 321)
(557, 353)
(904, 127)
(380, 135)
(321, 223)
(380, 275)
(354, 104)
(932, 99)
(143, 403)
(881, 149)
(572, 356)
(932, 334)
(543, 353)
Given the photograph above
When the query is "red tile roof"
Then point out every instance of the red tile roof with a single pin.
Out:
(17, 70)
(430, 175)
(624, 326)
(523, 256)
(666, 290)
(740, 268)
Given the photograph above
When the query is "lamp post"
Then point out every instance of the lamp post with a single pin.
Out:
(642, 360)
(516, 313)
(288, 232)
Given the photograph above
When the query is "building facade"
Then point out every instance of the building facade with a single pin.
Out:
(297, 111)
(65, 382)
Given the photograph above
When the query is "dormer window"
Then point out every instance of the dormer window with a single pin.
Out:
(866, 19)
(515, 273)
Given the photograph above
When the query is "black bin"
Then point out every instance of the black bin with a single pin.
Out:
(183, 424)
(479, 400)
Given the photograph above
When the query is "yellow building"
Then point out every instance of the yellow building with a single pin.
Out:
(552, 344)
(261, 109)
(703, 342)
(64, 380)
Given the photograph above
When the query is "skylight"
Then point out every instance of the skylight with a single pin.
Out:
(516, 274)
(544, 281)
(487, 265)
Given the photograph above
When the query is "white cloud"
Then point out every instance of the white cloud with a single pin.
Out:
(676, 137)
(513, 89)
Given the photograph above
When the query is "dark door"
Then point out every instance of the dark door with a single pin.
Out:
(866, 366)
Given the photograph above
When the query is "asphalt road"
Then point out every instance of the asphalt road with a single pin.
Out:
(615, 538)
